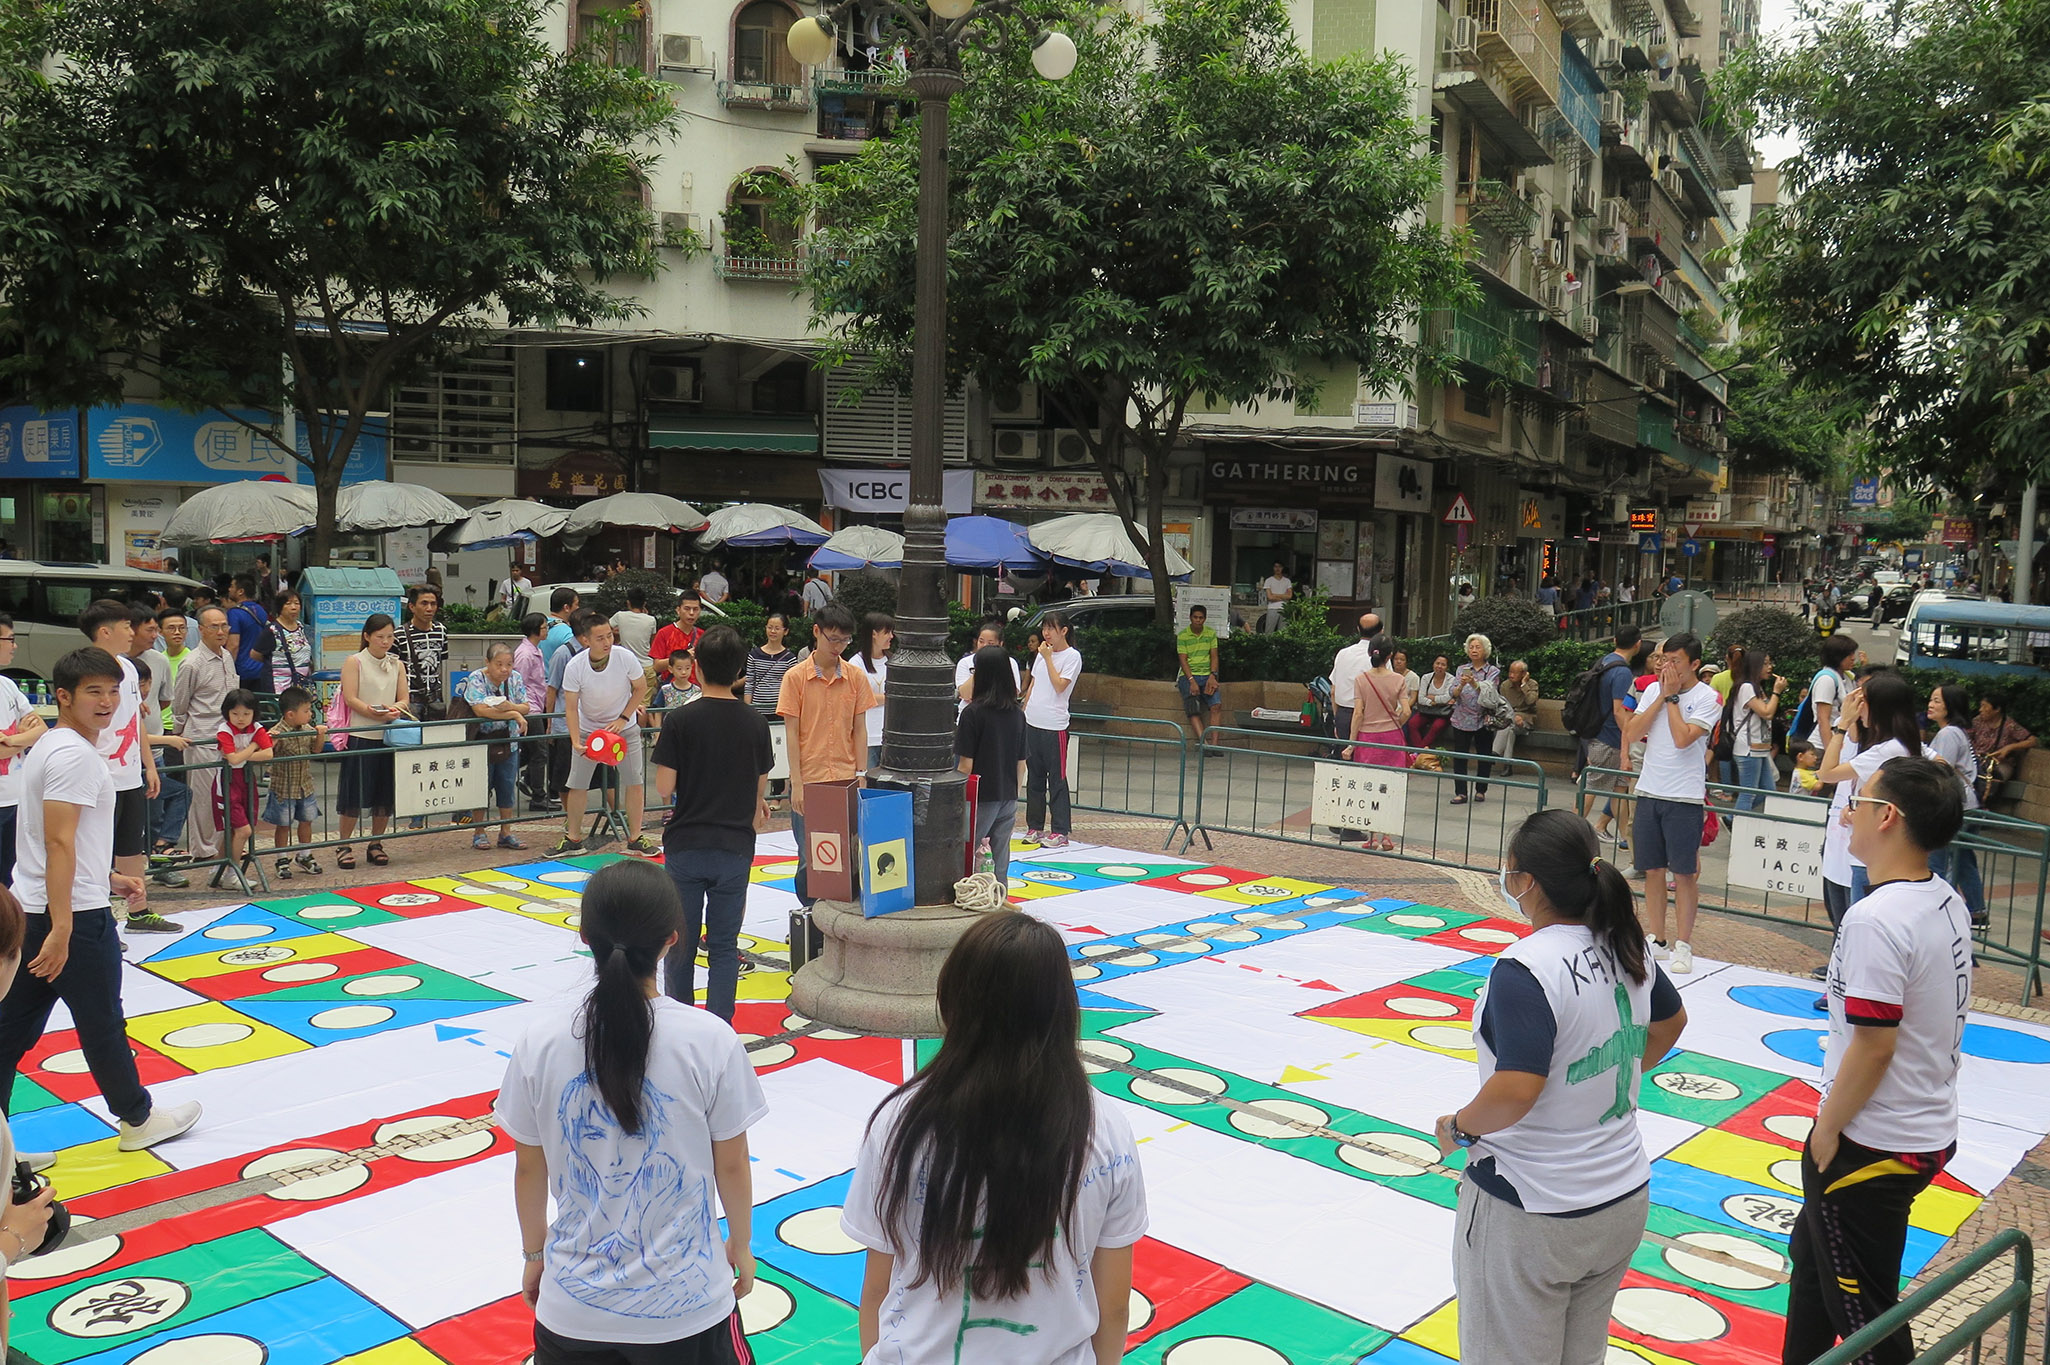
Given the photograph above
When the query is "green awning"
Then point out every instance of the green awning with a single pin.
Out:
(754, 435)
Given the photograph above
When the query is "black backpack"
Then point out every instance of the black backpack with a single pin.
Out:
(1585, 713)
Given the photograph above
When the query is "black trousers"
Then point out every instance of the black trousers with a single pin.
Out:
(1847, 1245)
(558, 766)
(720, 1345)
(1481, 741)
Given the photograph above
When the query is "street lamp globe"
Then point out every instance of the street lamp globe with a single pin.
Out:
(1053, 56)
(950, 9)
(811, 41)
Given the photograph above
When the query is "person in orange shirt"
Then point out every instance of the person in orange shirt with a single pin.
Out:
(822, 701)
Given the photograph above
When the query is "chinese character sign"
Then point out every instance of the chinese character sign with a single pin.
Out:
(1360, 796)
(430, 780)
(1778, 856)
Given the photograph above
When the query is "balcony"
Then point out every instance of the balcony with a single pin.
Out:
(834, 80)
(784, 266)
(1581, 18)
(778, 85)
(1520, 38)
(1658, 221)
(1672, 90)
(1493, 338)
(1491, 204)
(1655, 427)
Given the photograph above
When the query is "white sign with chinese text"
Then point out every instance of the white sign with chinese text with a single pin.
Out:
(445, 778)
(779, 752)
(1360, 796)
(1780, 851)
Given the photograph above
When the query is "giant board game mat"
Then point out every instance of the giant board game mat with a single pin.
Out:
(1281, 1049)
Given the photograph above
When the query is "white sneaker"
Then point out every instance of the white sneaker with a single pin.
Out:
(164, 1123)
(1683, 958)
(1659, 951)
(38, 1162)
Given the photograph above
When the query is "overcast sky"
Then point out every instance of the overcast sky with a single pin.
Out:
(1776, 17)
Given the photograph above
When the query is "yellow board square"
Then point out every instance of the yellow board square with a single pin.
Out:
(1446, 1037)
(404, 1351)
(1942, 1211)
(94, 1166)
(251, 955)
(774, 872)
(489, 876)
(211, 1036)
(1022, 890)
(1439, 1332)
(761, 985)
(1266, 890)
(523, 886)
(1765, 1164)
(496, 899)
(563, 917)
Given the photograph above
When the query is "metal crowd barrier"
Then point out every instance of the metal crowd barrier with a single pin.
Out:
(2010, 1303)
(1144, 775)
(1600, 623)
(1309, 791)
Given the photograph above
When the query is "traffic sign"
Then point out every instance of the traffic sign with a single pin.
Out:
(1690, 547)
(1461, 511)
(1650, 543)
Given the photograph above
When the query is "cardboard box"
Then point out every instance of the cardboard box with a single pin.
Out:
(829, 835)
(886, 880)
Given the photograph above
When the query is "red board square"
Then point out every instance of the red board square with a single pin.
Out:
(409, 899)
(882, 1058)
(1179, 1284)
(1482, 936)
(1204, 879)
(153, 1067)
(1750, 1336)
(1797, 1100)
(254, 981)
(1375, 1004)
(500, 1333)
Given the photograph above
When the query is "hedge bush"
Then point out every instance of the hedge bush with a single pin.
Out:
(1782, 634)
(865, 591)
(1512, 624)
(611, 594)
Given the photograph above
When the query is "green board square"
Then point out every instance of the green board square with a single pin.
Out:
(1655, 1257)
(1295, 1330)
(325, 912)
(1415, 921)
(1703, 1089)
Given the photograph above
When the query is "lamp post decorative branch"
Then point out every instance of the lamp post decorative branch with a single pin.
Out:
(919, 708)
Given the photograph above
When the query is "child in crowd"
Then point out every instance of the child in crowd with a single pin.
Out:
(241, 740)
(292, 798)
(1806, 779)
(679, 689)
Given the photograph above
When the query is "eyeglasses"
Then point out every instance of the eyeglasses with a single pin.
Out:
(1852, 803)
(835, 637)
(6, 639)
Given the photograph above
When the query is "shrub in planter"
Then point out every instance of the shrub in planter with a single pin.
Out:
(1511, 624)
(1782, 634)
(463, 619)
(1130, 652)
(611, 594)
(865, 591)
(1556, 664)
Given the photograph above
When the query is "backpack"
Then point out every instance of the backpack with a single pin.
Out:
(1722, 741)
(1804, 714)
(1584, 714)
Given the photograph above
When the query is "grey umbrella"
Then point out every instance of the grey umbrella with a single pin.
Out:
(380, 506)
(634, 512)
(248, 509)
(506, 521)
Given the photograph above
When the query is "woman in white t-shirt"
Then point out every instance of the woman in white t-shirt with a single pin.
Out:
(999, 1218)
(1056, 668)
(1950, 717)
(630, 1109)
(1881, 720)
(1754, 701)
(872, 656)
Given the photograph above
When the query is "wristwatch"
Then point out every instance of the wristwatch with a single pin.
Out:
(1460, 1138)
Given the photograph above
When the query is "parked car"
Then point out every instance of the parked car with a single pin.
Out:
(1100, 613)
(537, 599)
(45, 600)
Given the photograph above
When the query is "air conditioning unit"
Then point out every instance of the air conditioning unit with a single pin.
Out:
(1014, 403)
(1608, 52)
(1552, 295)
(683, 230)
(1669, 181)
(1464, 39)
(671, 381)
(1069, 450)
(1615, 215)
(1590, 325)
(1017, 445)
(1554, 252)
(685, 52)
(1612, 114)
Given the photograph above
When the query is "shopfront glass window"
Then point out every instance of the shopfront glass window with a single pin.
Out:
(14, 527)
(67, 528)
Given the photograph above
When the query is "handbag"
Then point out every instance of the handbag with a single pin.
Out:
(500, 749)
(1993, 771)
(404, 736)
(1496, 712)
(338, 720)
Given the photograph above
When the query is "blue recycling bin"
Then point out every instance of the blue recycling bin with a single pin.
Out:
(338, 602)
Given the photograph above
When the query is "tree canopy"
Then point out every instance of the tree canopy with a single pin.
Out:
(1908, 269)
(273, 203)
(1199, 215)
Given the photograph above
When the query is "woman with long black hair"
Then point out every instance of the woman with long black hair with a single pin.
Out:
(998, 1196)
(1881, 719)
(1950, 719)
(631, 1108)
(878, 637)
(1557, 1184)
(989, 739)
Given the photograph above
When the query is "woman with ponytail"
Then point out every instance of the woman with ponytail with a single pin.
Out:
(999, 1197)
(1556, 1190)
(631, 1109)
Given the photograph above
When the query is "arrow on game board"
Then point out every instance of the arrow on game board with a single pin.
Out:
(445, 1034)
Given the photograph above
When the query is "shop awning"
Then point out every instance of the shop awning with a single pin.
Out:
(755, 435)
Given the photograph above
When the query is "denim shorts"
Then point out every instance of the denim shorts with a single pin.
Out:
(1667, 834)
(303, 811)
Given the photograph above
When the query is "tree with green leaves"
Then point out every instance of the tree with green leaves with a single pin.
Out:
(1779, 423)
(1198, 215)
(1908, 268)
(296, 204)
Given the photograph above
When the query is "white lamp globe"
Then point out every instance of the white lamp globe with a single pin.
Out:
(950, 9)
(1053, 56)
(811, 42)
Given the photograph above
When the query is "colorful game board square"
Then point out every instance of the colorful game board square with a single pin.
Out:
(329, 913)
(1022, 890)
(1058, 875)
(562, 914)
(1445, 981)
(799, 1233)
(1267, 890)
(1765, 1164)
(1446, 1037)
(780, 873)
(56, 1128)
(499, 1333)
(102, 1165)
(551, 872)
(397, 980)
(882, 1058)
(1723, 1198)
(306, 1325)
(1129, 872)
(189, 969)
(786, 1319)
(1489, 936)
(210, 1036)
(57, 1065)
(1688, 1323)
(247, 927)
(1194, 880)
(1416, 921)
(1262, 1323)
(408, 1351)
(321, 1022)
(1783, 1116)
(1742, 1266)
(413, 900)
(1170, 1286)
(1400, 1352)
(1706, 1090)
(29, 1097)
(277, 976)
(1403, 1001)
(523, 886)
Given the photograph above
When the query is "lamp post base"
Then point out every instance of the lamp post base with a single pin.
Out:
(879, 975)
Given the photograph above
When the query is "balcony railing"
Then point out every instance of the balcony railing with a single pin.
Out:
(1673, 93)
(757, 86)
(833, 80)
(1522, 38)
(1658, 220)
(1506, 346)
(784, 266)
(1490, 203)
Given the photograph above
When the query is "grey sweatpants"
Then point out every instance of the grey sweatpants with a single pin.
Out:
(1535, 1290)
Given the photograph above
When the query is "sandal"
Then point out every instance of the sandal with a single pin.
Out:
(345, 859)
(377, 856)
(482, 843)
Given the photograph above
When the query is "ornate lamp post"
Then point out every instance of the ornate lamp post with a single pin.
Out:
(918, 716)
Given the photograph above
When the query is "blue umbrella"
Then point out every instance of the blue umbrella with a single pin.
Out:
(991, 543)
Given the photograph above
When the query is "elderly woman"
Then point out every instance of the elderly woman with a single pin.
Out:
(1470, 733)
(496, 696)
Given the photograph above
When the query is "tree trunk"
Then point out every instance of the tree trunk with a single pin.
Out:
(1156, 543)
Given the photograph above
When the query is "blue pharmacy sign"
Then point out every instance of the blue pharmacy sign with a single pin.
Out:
(1864, 492)
(38, 445)
(1650, 543)
(1690, 547)
(144, 443)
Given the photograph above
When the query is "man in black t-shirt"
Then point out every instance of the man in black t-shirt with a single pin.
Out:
(713, 756)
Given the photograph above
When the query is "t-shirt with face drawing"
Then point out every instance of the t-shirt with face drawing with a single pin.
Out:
(633, 1253)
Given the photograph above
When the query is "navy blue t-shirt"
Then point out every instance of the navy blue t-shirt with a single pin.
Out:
(1615, 687)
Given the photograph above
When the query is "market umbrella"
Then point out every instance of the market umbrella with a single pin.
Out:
(376, 505)
(750, 524)
(633, 512)
(1096, 542)
(507, 521)
(860, 547)
(248, 509)
(991, 543)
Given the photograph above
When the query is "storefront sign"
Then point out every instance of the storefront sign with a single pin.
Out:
(143, 443)
(138, 517)
(1645, 518)
(1265, 474)
(38, 445)
(579, 474)
(1273, 519)
(889, 490)
(1710, 509)
(1864, 492)
(443, 778)
(1957, 530)
(1402, 485)
(1067, 492)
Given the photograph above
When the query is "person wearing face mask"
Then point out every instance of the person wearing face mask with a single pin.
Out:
(1557, 1185)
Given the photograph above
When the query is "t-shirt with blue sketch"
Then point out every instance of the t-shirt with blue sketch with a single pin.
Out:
(634, 1253)
(1053, 1321)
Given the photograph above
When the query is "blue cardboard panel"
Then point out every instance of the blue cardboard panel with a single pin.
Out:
(884, 820)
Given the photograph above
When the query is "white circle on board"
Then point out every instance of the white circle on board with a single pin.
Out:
(1222, 1351)
(1146, 1088)
(775, 1054)
(70, 1063)
(1485, 935)
(213, 1348)
(1390, 1158)
(301, 971)
(1694, 1085)
(1720, 1273)
(1138, 1311)
(1096, 1051)
(1121, 870)
(1668, 1315)
(338, 910)
(217, 1034)
(818, 1231)
(67, 1260)
(1324, 902)
(572, 921)
(545, 907)
(1422, 1007)
(1283, 926)
(1416, 921)
(454, 1148)
(1139, 960)
(1792, 1127)
(1203, 879)
(794, 1020)
(767, 1305)
(1206, 926)
(1101, 949)
(144, 1300)
(326, 1186)
(569, 877)
(1048, 874)
(237, 933)
(1265, 1120)
(1453, 1037)
(1247, 916)
(352, 1016)
(410, 898)
(1237, 936)
(384, 983)
(251, 957)
(1082, 971)
(1787, 1172)
(1266, 890)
